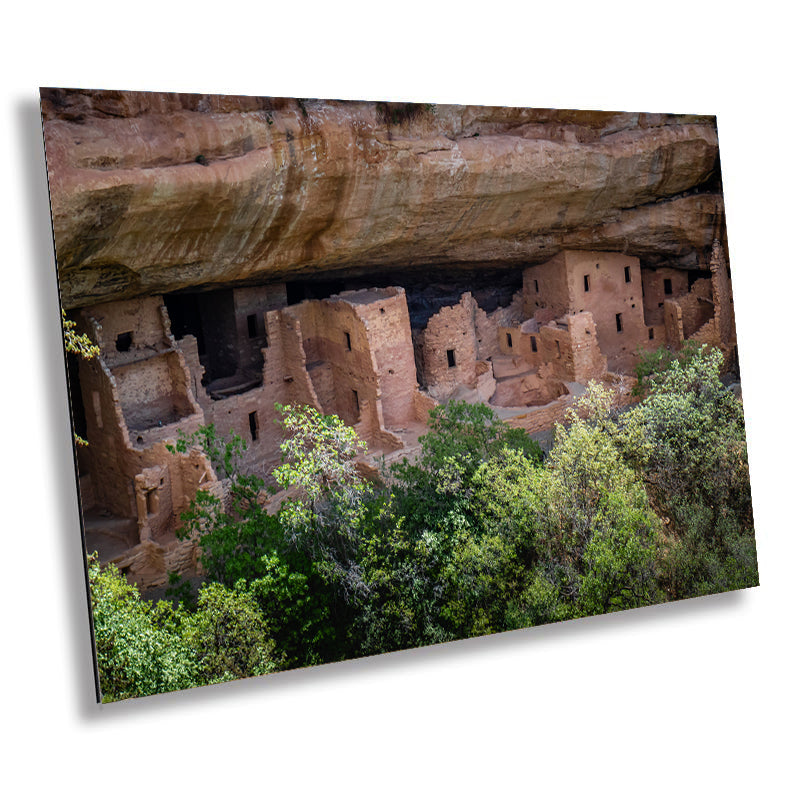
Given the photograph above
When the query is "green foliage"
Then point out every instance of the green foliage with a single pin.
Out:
(243, 545)
(77, 343)
(600, 527)
(461, 436)
(232, 542)
(144, 649)
(687, 436)
(296, 605)
(229, 634)
(179, 590)
(687, 440)
(137, 652)
(224, 454)
(654, 363)
(324, 517)
(711, 553)
(480, 534)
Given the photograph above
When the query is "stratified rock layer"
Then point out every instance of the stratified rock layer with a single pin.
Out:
(152, 193)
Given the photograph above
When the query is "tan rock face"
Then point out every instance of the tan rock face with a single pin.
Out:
(155, 192)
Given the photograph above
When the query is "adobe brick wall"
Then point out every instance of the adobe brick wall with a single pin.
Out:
(254, 301)
(126, 394)
(451, 329)
(570, 349)
(527, 390)
(609, 295)
(388, 328)
(545, 286)
(142, 318)
(654, 292)
(423, 405)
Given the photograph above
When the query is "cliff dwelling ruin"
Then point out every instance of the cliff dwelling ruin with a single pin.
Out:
(228, 254)
(228, 356)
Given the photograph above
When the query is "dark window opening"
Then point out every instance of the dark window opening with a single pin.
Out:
(585, 283)
(619, 323)
(253, 418)
(667, 286)
(125, 341)
(661, 305)
(151, 499)
(211, 318)
(347, 341)
(252, 331)
(649, 333)
(558, 349)
(536, 286)
(355, 402)
(509, 340)
(451, 358)
(627, 274)
(383, 311)
(533, 344)
(597, 266)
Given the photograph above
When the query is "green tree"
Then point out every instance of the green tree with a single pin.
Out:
(600, 527)
(233, 536)
(687, 440)
(139, 652)
(431, 571)
(653, 364)
(434, 490)
(229, 634)
(325, 515)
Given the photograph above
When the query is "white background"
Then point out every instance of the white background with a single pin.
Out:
(697, 699)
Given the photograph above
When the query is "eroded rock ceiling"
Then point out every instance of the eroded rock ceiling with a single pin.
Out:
(152, 193)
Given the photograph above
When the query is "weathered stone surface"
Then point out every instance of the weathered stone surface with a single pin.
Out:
(155, 192)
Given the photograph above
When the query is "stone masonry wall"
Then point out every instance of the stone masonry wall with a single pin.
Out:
(613, 296)
(654, 291)
(545, 286)
(451, 330)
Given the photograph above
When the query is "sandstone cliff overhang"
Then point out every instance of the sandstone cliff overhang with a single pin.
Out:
(153, 192)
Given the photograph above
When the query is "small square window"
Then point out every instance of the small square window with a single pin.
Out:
(125, 341)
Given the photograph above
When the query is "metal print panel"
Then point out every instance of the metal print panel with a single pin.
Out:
(350, 377)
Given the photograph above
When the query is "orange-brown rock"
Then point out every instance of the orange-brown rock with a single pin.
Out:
(155, 192)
